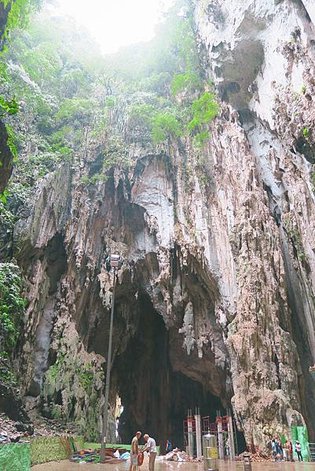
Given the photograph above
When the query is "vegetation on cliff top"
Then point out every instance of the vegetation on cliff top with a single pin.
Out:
(75, 105)
(75, 101)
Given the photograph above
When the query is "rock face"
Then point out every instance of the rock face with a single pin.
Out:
(215, 299)
(261, 56)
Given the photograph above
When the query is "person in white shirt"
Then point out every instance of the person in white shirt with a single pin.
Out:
(150, 447)
(298, 450)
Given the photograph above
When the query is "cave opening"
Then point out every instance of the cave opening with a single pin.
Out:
(155, 397)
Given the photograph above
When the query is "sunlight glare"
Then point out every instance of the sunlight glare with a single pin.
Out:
(115, 23)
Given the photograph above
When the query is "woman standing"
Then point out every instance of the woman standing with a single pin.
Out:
(298, 450)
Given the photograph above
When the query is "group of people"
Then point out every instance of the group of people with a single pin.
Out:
(150, 447)
(285, 452)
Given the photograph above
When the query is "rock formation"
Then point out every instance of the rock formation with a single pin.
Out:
(215, 297)
(261, 57)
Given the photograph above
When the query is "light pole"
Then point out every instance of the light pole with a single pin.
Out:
(114, 263)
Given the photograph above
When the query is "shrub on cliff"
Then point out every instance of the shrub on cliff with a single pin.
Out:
(12, 305)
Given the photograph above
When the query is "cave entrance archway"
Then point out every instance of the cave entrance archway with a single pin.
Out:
(156, 398)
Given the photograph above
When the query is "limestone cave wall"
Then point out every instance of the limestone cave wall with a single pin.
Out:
(261, 57)
(215, 297)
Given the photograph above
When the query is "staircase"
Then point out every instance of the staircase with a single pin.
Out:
(312, 451)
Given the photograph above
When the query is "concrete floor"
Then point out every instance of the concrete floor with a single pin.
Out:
(162, 465)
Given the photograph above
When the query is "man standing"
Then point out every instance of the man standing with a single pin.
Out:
(134, 452)
(150, 447)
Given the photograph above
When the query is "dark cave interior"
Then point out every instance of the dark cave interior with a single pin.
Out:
(156, 398)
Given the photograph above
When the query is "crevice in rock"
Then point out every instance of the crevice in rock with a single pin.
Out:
(54, 257)
(276, 362)
(303, 146)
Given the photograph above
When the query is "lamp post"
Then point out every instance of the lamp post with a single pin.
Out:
(114, 263)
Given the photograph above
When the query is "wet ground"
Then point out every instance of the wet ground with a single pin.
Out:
(162, 465)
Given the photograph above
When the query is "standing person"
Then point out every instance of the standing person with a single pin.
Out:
(298, 450)
(286, 451)
(150, 447)
(290, 451)
(280, 449)
(274, 449)
(134, 452)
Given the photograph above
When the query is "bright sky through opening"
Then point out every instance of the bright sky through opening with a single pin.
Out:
(115, 23)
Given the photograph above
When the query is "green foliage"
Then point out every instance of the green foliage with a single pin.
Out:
(164, 126)
(201, 138)
(204, 110)
(306, 133)
(157, 83)
(7, 218)
(115, 153)
(185, 82)
(94, 179)
(142, 113)
(44, 449)
(166, 67)
(53, 89)
(77, 111)
(56, 369)
(3, 197)
(18, 14)
(42, 63)
(8, 106)
(15, 456)
(86, 378)
(11, 141)
(184, 41)
(141, 116)
(7, 376)
(59, 139)
(12, 305)
(110, 102)
(73, 101)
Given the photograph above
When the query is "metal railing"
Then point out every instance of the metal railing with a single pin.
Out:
(311, 447)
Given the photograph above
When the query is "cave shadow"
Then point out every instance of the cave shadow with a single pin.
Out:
(156, 398)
